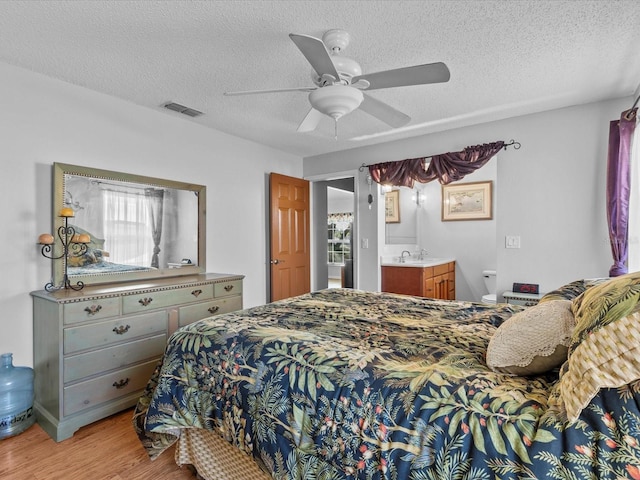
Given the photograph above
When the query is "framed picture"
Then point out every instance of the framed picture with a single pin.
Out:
(467, 201)
(392, 206)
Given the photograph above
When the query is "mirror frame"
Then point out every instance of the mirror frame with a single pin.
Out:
(62, 169)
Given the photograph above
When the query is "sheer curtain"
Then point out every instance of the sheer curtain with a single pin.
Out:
(126, 216)
(634, 203)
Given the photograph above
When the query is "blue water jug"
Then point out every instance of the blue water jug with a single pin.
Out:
(16, 397)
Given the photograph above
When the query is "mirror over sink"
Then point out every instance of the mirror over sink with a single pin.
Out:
(137, 227)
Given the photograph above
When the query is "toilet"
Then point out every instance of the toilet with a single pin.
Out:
(490, 283)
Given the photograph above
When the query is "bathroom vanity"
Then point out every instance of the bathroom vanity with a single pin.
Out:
(431, 277)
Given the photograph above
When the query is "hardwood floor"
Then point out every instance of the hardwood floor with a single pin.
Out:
(106, 450)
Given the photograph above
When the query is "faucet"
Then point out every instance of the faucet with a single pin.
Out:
(423, 253)
(402, 255)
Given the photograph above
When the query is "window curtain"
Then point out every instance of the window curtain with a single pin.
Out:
(155, 199)
(126, 227)
(618, 189)
(446, 167)
(633, 262)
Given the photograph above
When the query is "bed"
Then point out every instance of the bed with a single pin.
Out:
(345, 384)
(94, 258)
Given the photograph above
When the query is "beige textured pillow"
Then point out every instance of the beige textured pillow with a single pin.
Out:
(533, 341)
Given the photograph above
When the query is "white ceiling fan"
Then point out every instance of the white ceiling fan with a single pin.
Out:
(339, 82)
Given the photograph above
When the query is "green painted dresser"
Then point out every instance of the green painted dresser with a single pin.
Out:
(95, 349)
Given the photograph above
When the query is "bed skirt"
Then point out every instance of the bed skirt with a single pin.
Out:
(214, 458)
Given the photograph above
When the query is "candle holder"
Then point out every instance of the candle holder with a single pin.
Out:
(72, 244)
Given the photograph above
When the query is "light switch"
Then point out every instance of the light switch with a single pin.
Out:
(512, 241)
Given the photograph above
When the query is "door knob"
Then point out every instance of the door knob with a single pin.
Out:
(276, 261)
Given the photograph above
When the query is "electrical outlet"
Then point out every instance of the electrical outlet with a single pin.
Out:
(512, 241)
(364, 243)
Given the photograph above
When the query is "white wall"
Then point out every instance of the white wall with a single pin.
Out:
(45, 121)
(551, 193)
(471, 243)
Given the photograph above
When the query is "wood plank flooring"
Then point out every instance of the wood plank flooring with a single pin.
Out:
(106, 450)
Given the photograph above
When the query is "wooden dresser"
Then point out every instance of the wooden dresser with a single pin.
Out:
(437, 281)
(95, 350)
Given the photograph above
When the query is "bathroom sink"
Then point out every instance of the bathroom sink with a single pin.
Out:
(416, 261)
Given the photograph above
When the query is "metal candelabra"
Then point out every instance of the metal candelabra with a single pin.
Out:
(72, 245)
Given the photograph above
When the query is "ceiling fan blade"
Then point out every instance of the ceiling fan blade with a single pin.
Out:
(276, 90)
(316, 54)
(403, 77)
(311, 121)
(384, 112)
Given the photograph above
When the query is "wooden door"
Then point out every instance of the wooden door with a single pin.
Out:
(290, 239)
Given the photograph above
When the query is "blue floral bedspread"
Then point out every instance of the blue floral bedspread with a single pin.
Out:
(344, 384)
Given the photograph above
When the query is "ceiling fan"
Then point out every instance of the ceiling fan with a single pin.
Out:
(340, 85)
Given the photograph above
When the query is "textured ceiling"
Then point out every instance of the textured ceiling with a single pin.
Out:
(506, 58)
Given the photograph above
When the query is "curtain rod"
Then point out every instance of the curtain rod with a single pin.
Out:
(630, 115)
(512, 143)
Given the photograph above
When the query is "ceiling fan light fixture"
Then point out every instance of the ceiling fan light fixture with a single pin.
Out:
(336, 100)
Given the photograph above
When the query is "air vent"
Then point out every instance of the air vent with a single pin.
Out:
(176, 107)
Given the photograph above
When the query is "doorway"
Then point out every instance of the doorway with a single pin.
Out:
(334, 234)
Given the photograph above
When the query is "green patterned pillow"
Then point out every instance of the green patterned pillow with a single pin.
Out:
(603, 304)
(605, 344)
(572, 290)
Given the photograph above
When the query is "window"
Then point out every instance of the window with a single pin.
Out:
(126, 219)
(339, 238)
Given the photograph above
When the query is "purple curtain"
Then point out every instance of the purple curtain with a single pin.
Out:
(446, 167)
(618, 188)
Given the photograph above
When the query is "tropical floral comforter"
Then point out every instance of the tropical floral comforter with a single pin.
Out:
(344, 384)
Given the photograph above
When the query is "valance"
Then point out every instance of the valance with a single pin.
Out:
(446, 167)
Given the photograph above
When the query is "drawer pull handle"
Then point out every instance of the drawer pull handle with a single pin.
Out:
(195, 293)
(145, 301)
(121, 330)
(121, 384)
(228, 288)
(214, 309)
(93, 309)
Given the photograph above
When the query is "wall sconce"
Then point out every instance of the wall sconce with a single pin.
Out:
(385, 189)
(370, 196)
(72, 244)
(419, 197)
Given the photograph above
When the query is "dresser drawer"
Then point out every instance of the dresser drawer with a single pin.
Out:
(117, 384)
(118, 356)
(91, 310)
(118, 330)
(224, 289)
(192, 313)
(165, 298)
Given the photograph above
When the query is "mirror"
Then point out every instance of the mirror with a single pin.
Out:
(406, 230)
(139, 227)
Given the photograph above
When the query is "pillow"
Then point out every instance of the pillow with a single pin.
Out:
(571, 290)
(533, 341)
(605, 344)
(87, 258)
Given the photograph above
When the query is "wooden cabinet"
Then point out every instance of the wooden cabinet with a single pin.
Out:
(438, 281)
(95, 350)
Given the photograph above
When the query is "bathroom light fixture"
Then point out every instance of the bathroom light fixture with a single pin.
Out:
(385, 189)
(419, 197)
